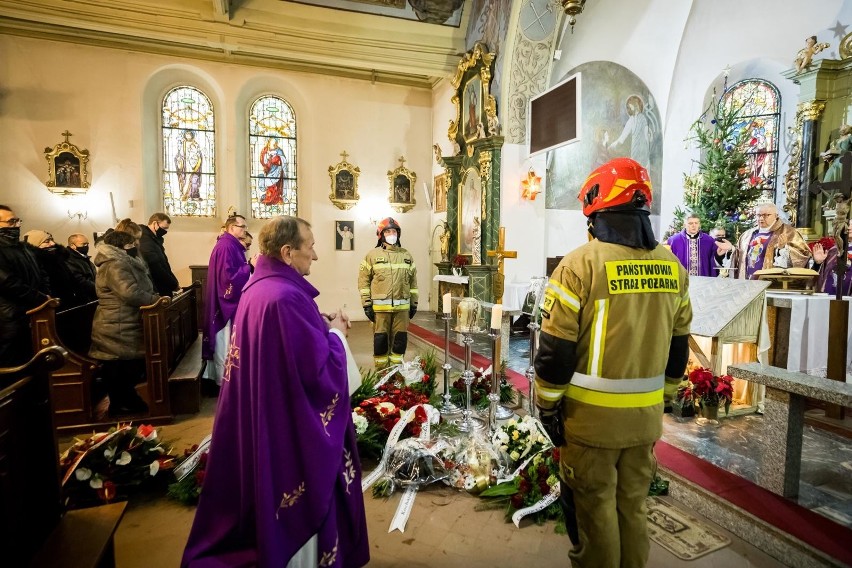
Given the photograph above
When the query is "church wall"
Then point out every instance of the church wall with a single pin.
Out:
(104, 98)
(443, 113)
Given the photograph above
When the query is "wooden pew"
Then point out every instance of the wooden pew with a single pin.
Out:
(170, 329)
(32, 526)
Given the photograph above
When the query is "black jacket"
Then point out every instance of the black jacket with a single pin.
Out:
(23, 286)
(83, 274)
(154, 253)
(61, 283)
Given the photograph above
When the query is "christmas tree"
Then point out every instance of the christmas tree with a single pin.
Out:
(721, 193)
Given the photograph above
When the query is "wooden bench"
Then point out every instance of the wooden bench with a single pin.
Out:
(172, 362)
(32, 527)
(784, 413)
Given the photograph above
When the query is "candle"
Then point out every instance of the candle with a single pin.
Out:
(447, 303)
(496, 316)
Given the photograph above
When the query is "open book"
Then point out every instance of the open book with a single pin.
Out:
(800, 280)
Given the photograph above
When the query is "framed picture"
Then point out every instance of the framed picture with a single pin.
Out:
(473, 118)
(470, 213)
(401, 191)
(67, 167)
(344, 235)
(440, 199)
(476, 107)
(344, 183)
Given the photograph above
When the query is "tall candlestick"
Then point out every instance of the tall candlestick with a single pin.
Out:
(497, 316)
(447, 303)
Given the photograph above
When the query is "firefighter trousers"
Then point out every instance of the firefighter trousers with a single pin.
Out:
(390, 337)
(609, 488)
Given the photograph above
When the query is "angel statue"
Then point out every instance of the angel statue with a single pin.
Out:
(806, 54)
(445, 243)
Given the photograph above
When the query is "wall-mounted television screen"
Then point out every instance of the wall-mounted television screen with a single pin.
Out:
(554, 116)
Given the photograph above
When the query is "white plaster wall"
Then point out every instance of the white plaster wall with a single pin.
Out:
(443, 113)
(104, 97)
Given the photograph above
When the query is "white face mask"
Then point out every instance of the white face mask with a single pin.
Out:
(390, 239)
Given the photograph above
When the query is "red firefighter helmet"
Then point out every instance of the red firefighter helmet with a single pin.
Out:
(619, 182)
(388, 223)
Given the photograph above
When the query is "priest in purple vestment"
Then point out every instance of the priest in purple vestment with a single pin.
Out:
(227, 273)
(283, 480)
(825, 260)
(697, 251)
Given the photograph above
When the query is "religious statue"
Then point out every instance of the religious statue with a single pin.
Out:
(806, 54)
(480, 130)
(841, 215)
(437, 150)
(493, 125)
(445, 243)
(477, 242)
(840, 147)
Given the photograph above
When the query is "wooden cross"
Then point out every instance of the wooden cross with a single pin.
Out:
(67, 135)
(344, 155)
(500, 252)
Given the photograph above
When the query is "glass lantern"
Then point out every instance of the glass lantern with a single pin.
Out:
(467, 315)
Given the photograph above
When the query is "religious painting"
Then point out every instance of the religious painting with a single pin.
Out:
(440, 187)
(619, 118)
(344, 183)
(472, 108)
(272, 148)
(189, 154)
(470, 212)
(67, 168)
(401, 191)
(344, 235)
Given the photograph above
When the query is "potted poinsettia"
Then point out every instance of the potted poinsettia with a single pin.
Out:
(711, 391)
(683, 406)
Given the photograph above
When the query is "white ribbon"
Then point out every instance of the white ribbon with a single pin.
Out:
(403, 510)
(393, 438)
(540, 506)
(187, 465)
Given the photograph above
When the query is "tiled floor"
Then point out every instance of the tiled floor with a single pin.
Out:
(445, 528)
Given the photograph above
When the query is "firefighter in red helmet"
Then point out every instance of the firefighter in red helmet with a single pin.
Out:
(616, 316)
(387, 282)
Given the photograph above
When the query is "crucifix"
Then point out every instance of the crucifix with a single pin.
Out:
(67, 135)
(500, 253)
(344, 155)
(838, 314)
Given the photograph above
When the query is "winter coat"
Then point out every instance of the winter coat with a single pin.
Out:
(152, 250)
(123, 286)
(23, 286)
(62, 284)
(83, 273)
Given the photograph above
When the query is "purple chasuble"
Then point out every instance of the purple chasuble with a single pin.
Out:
(827, 280)
(227, 274)
(755, 252)
(283, 462)
(697, 255)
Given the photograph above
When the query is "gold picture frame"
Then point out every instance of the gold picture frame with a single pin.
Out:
(401, 190)
(440, 188)
(67, 167)
(344, 183)
(476, 107)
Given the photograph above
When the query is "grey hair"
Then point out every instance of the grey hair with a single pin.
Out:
(280, 231)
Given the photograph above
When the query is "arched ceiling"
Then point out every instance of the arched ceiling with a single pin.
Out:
(354, 40)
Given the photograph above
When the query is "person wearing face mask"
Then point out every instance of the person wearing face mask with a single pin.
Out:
(23, 286)
(123, 286)
(80, 265)
(387, 282)
(153, 251)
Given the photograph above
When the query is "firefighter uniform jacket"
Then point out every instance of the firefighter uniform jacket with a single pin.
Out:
(388, 279)
(621, 306)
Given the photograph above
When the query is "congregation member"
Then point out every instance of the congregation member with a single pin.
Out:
(228, 272)
(23, 286)
(123, 286)
(612, 333)
(283, 427)
(80, 265)
(387, 282)
(153, 251)
(771, 244)
(53, 261)
(697, 251)
(825, 261)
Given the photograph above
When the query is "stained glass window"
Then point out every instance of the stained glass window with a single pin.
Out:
(189, 156)
(760, 113)
(272, 149)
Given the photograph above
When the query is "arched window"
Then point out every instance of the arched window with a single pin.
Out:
(760, 114)
(272, 151)
(189, 154)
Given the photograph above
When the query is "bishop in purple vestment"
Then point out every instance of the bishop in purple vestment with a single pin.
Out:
(696, 250)
(227, 273)
(283, 469)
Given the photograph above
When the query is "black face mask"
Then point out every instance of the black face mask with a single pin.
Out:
(10, 233)
(84, 250)
(51, 249)
(161, 231)
(132, 251)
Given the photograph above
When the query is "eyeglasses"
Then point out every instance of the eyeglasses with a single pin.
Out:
(240, 226)
(13, 222)
(765, 215)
